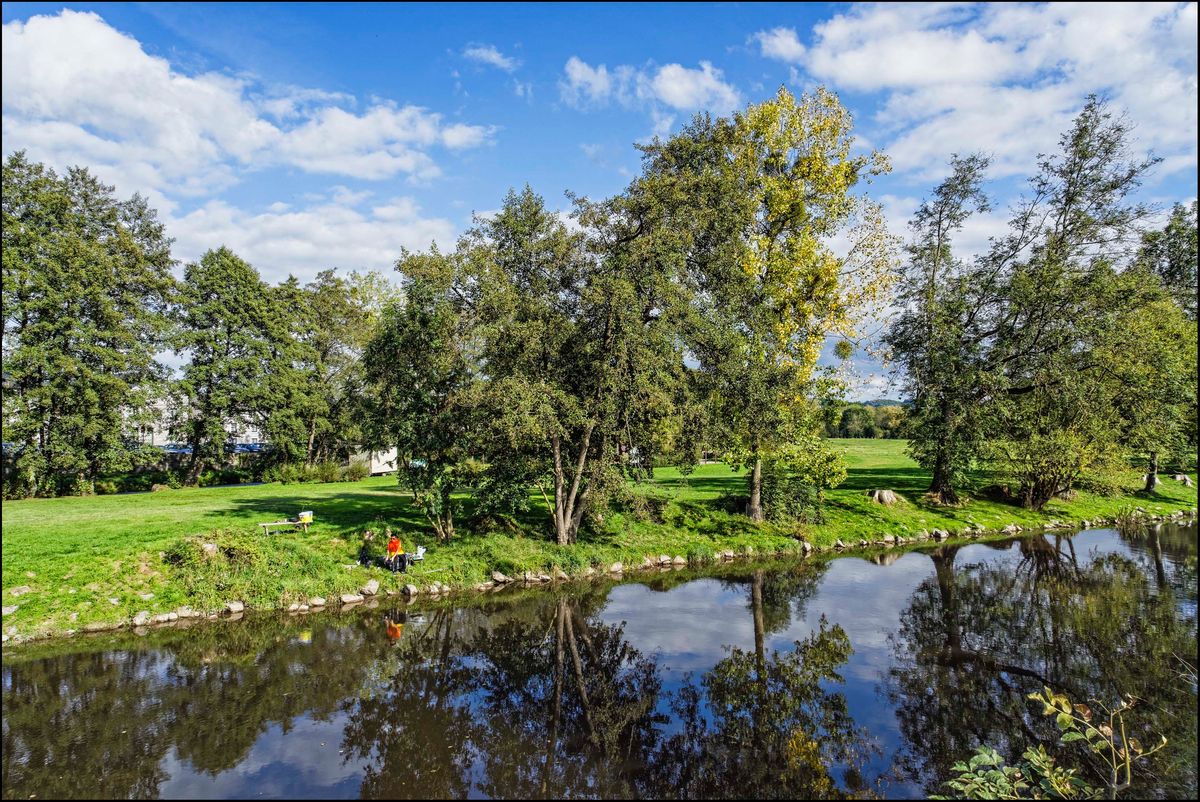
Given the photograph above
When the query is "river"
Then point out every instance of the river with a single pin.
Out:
(868, 677)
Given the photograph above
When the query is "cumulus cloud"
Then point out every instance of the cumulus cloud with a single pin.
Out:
(280, 240)
(76, 90)
(488, 54)
(1007, 78)
(660, 90)
(780, 43)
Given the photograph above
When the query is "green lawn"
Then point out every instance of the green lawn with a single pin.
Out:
(78, 555)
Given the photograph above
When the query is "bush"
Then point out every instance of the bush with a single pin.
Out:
(106, 487)
(328, 471)
(357, 470)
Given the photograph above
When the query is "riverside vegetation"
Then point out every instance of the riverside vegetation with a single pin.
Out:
(93, 561)
(551, 388)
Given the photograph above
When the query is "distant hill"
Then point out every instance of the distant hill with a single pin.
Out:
(883, 402)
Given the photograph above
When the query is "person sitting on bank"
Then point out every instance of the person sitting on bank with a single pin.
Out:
(364, 551)
(396, 558)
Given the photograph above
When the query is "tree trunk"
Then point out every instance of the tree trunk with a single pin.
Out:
(754, 508)
(1152, 472)
(312, 436)
(941, 488)
(569, 505)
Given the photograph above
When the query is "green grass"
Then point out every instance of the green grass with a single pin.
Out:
(78, 553)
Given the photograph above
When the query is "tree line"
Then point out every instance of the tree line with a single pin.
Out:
(562, 355)
(1065, 347)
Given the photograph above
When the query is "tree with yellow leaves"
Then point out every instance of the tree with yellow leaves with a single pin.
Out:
(767, 198)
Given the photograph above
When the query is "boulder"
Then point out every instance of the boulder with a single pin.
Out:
(838, 544)
(302, 608)
(1183, 477)
(411, 590)
(293, 607)
(500, 578)
(350, 598)
(142, 618)
(749, 551)
(1011, 529)
(187, 612)
(616, 568)
(157, 488)
(113, 601)
(161, 618)
(664, 559)
(146, 596)
(482, 586)
(560, 575)
(862, 544)
(647, 563)
(20, 590)
(11, 608)
(889, 540)
(209, 549)
(806, 547)
(541, 578)
(371, 588)
(433, 590)
(234, 607)
(678, 560)
(882, 496)
(316, 601)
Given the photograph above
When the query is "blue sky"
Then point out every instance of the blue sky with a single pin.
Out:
(309, 136)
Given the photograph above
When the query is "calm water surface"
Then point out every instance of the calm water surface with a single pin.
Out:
(848, 676)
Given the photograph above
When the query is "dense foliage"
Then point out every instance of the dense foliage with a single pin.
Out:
(683, 316)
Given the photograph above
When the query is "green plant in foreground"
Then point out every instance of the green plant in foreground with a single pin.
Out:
(1039, 776)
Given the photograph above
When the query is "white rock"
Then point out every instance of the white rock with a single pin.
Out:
(679, 560)
(500, 578)
(350, 598)
(316, 601)
(616, 568)
(411, 590)
(234, 606)
(371, 588)
(141, 619)
(10, 609)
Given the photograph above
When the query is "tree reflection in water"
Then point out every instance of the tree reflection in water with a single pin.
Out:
(539, 696)
(974, 640)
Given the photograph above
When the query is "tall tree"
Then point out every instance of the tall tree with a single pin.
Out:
(87, 283)
(420, 383)
(762, 196)
(342, 315)
(227, 325)
(1171, 255)
(932, 341)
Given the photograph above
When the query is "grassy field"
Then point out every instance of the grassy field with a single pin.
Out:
(96, 559)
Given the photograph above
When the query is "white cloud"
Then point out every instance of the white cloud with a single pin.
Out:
(659, 90)
(302, 242)
(584, 84)
(1006, 79)
(75, 90)
(780, 43)
(682, 88)
(488, 54)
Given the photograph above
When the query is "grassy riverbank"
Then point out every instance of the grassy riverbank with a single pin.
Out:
(96, 560)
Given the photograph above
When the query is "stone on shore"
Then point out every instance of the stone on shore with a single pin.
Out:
(142, 618)
(616, 568)
(316, 601)
(883, 496)
(234, 607)
(371, 588)
(350, 598)
(500, 578)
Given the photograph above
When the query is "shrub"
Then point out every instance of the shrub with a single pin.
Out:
(105, 487)
(357, 470)
(327, 471)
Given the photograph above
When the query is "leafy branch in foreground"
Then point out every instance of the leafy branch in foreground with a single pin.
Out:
(1039, 776)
